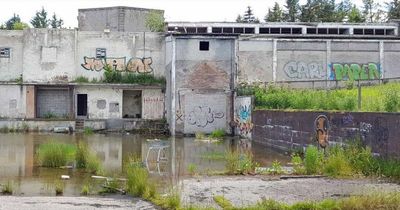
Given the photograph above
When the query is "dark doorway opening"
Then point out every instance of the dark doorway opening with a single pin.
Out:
(82, 105)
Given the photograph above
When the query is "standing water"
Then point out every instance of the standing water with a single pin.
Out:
(164, 158)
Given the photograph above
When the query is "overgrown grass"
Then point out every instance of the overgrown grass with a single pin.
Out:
(81, 79)
(85, 189)
(312, 160)
(59, 187)
(213, 155)
(237, 163)
(217, 134)
(111, 76)
(8, 188)
(55, 154)
(200, 135)
(374, 98)
(88, 131)
(223, 202)
(192, 169)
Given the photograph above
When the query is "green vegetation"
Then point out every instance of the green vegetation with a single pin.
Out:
(87, 160)
(192, 169)
(200, 135)
(111, 76)
(223, 202)
(155, 21)
(298, 167)
(85, 189)
(111, 186)
(81, 79)
(7, 189)
(237, 163)
(88, 131)
(213, 155)
(59, 187)
(217, 134)
(373, 98)
(4, 129)
(276, 168)
(50, 115)
(312, 160)
(55, 154)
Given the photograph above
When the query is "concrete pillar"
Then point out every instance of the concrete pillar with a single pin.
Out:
(382, 58)
(173, 86)
(30, 102)
(328, 61)
(274, 59)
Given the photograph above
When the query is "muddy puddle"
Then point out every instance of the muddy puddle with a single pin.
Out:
(164, 157)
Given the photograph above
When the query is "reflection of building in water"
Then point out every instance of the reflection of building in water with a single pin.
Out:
(108, 151)
(16, 155)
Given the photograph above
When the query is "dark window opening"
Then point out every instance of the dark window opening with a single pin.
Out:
(204, 46)
(389, 31)
(369, 31)
(217, 30)
(343, 31)
(202, 30)
(333, 31)
(238, 30)
(358, 31)
(171, 29)
(296, 31)
(180, 30)
(191, 30)
(275, 30)
(322, 31)
(286, 31)
(311, 31)
(264, 30)
(5, 52)
(82, 105)
(249, 30)
(227, 30)
(101, 53)
(379, 32)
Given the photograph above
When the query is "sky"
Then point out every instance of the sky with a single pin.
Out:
(175, 10)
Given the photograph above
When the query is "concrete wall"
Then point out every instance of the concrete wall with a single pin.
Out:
(153, 104)
(242, 116)
(11, 68)
(12, 103)
(114, 18)
(290, 130)
(203, 84)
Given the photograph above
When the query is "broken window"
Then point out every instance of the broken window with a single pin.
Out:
(5, 52)
(204, 46)
(101, 53)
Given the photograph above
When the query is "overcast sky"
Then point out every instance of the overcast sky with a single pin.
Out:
(175, 10)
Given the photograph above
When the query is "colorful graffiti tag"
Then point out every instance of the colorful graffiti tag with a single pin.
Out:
(243, 119)
(302, 70)
(201, 116)
(354, 71)
(321, 125)
(139, 65)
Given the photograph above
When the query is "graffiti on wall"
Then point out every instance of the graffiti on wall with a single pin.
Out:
(243, 119)
(201, 116)
(321, 125)
(302, 70)
(354, 71)
(139, 65)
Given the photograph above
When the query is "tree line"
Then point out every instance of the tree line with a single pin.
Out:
(39, 20)
(327, 11)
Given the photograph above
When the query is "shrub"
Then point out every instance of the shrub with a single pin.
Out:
(218, 134)
(138, 183)
(298, 167)
(337, 164)
(392, 101)
(276, 168)
(55, 154)
(237, 163)
(312, 160)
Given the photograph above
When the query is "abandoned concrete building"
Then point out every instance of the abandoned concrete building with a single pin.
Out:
(203, 63)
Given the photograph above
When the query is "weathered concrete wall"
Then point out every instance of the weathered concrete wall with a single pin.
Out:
(12, 103)
(153, 104)
(242, 116)
(36, 125)
(290, 130)
(203, 84)
(103, 103)
(11, 68)
(114, 18)
(391, 59)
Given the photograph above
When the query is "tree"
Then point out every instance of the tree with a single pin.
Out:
(56, 22)
(239, 19)
(342, 10)
(40, 19)
(318, 11)
(10, 22)
(293, 8)
(20, 26)
(393, 9)
(355, 15)
(249, 17)
(369, 8)
(276, 15)
(155, 21)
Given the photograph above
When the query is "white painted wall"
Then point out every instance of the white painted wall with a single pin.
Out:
(11, 68)
(13, 102)
(152, 104)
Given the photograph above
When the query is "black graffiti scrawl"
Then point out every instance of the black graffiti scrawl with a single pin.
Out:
(201, 116)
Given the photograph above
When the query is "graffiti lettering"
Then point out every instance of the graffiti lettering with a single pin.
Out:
(321, 125)
(355, 71)
(201, 116)
(243, 119)
(348, 119)
(139, 65)
(301, 70)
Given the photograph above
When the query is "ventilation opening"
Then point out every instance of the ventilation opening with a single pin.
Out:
(358, 31)
(296, 30)
(249, 30)
(202, 30)
(264, 30)
(275, 31)
(322, 31)
(227, 30)
(333, 31)
(204, 46)
(369, 31)
(217, 30)
(191, 30)
(379, 32)
(286, 30)
(389, 31)
(343, 31)
(311, 31)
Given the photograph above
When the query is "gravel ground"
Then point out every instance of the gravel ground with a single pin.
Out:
(69, 203)
(245, 190)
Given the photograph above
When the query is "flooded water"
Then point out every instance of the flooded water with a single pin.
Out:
(164, 158)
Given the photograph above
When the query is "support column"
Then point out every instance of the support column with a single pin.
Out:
(173, 87)
(30, 102)
(274, 59)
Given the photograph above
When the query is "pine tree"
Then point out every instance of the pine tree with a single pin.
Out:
(10, 22)
(239, 19)
(342, 11)
(249, 17)
(393, 9)
(293, 8)
(355, 15)
(40, 19)
(368, 12)
(56, 22)
(276, 15)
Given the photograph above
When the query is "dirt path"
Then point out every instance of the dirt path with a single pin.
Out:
(69, 203)
(245, 190)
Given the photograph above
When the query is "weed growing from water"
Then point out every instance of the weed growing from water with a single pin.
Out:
(200, 135)
(55, 154)
(237, 163)
(85, 189)
(88, 131)
(276, 168)
(7, 189)
(192, 169)
(59, 187)
(217, 134)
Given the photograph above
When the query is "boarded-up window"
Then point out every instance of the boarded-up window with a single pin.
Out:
(101, 104)
(114, 107)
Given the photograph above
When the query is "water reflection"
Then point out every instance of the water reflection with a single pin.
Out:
(162, 156)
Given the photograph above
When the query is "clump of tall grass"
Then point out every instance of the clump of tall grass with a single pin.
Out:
(138, 183)
(237, 163)
(8, 188)
(217, 134)
(312, 160)
(87, 160)
(88, 131)
(192, 169)
(85, 189)
(298, 166)
(55, 154)
(223, 202)
(59, 187)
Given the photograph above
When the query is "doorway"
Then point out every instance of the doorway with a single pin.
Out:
(82, 105)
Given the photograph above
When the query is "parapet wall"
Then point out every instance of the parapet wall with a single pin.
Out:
(290, 130)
